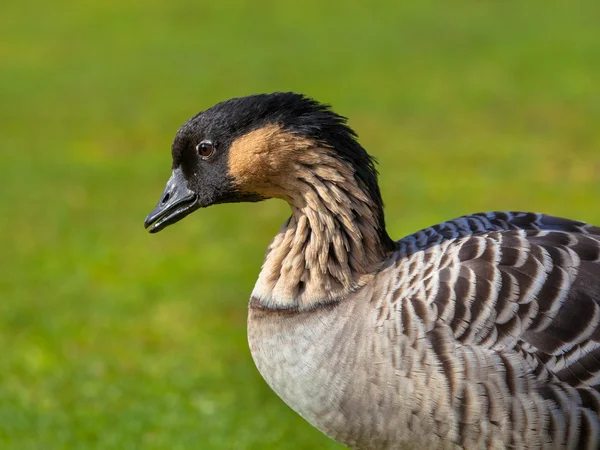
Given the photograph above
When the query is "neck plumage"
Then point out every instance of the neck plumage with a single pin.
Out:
(333, 243)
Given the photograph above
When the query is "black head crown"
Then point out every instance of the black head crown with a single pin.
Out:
(201, 150)
(295, 113)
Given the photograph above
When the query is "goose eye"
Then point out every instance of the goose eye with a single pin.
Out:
(205, 149)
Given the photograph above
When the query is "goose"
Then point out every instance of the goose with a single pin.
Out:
(479, 332)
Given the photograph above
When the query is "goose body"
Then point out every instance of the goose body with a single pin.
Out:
(480, 332)
(477, 333)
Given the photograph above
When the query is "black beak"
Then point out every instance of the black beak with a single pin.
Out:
(177, 201)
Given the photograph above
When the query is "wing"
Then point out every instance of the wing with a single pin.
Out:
(539, 287)
(514, 298)
(500, 278)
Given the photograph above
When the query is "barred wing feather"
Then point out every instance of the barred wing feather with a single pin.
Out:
(509, 304)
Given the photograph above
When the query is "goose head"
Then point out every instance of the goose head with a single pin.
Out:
(280, 145)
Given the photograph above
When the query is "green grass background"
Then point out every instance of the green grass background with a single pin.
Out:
(112, 338)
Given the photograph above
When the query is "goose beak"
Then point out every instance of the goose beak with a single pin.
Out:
(176, 202)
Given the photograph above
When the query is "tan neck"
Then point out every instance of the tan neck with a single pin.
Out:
(330, 246)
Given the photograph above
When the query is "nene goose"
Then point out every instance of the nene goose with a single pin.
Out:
(479, 332)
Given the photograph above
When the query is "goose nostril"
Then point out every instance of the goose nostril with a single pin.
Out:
(166, 198)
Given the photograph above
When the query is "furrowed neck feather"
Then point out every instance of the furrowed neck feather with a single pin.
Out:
(334, 241)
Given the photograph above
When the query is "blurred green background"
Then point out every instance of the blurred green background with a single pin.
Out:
(113, 338)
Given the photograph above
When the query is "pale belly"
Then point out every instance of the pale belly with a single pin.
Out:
(328, 374)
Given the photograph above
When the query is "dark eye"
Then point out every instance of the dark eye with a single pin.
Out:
(205, 149)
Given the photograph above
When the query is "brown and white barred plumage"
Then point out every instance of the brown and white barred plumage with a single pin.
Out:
(520, 294)
(486, 328)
